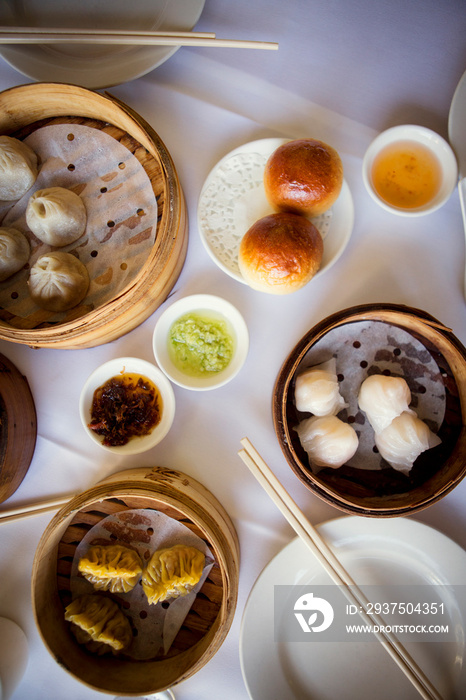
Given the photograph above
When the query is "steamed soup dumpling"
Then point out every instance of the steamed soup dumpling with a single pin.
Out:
(401, 442)
(317, 390)
(172, 572)
(383, 398)
(58, 281)
(18, 168)
(14, 252)
(56, 215)
(111, 567)
(327, 440)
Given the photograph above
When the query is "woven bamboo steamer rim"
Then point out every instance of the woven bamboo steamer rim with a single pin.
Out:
(343, 494)
(27, 104)
(181, 497)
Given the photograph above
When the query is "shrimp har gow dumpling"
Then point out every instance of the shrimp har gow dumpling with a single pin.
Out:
(401, 442)
(18, 168)
(14, 252)
(172, 572)
(111, 567)
(58, 281)
(56, 215)
(99, 619)
(327, 440)
(383, 398)
(317, 390)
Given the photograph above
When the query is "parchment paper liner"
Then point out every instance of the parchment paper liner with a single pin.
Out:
(121, 209)
(144, 530)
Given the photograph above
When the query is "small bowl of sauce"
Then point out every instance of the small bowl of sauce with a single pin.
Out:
(410, 170)
(127, 405)
(201, 342)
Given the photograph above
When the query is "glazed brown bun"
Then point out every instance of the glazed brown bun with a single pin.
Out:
(280, 253)
(304, 177)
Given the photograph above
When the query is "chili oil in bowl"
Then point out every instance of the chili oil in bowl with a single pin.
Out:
(127, 405)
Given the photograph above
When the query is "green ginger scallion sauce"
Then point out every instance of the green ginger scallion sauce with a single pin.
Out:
(200, 345)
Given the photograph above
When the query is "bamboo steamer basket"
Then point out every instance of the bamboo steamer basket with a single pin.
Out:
(18, 427)
(24, 108)
(209, 620)
(383, 493)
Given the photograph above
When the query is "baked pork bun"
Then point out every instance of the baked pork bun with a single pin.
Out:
(304, 177)
(280, 253)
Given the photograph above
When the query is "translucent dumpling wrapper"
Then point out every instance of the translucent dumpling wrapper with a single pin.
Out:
(14, 252)
(317, 390)
(327, 440)
(58, 281)
(99, 620)
(111, 567)
(401, 443)
(383, 398)
(56, 215)
(18, 168)
(172, 572)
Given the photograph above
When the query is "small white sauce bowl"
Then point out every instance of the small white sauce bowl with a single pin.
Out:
(114, 368)
(428, 138)
(202, 304)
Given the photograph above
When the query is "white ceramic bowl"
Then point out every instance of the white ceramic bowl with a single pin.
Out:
(428, 138)
(131, 365)
(208, 305)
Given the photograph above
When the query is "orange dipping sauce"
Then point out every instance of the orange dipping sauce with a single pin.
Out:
(406, 175)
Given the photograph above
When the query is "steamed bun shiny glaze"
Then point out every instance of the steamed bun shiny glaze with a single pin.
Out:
(280, 253)
(304, 176)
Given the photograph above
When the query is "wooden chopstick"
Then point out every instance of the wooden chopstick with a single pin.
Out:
(30, 35)
(334, 568)
(33, 509)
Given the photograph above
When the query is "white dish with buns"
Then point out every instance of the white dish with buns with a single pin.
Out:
(233, 198)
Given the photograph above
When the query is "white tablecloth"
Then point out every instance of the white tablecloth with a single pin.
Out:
(344, 71)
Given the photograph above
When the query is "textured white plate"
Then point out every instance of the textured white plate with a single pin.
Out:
(389, 552)
(233, 198)
(95, 66)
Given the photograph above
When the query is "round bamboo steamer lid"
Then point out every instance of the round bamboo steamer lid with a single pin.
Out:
(382, 493)
(42, 103)
(18, 427)
(209, 620)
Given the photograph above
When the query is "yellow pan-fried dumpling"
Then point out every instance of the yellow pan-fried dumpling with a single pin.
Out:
(101, 620)
(18, 168)
(172, 572)
(111, 567)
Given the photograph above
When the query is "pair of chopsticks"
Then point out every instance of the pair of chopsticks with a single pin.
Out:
(33, 509)
(334, 568)
(42, 35)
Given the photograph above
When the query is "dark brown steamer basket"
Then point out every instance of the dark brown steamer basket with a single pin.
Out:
(210, 617)
(383, 493)
(18, 427)
(24, 108)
